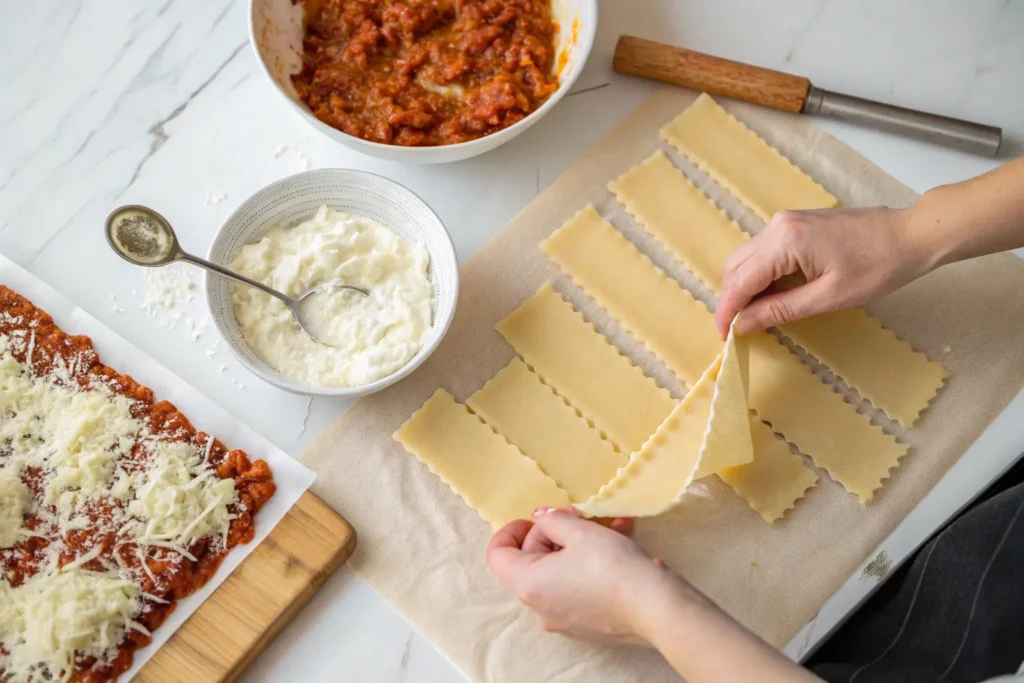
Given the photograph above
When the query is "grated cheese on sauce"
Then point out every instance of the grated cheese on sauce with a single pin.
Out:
(180, 498)
(51, 619)
(75, 435)
(14, 501)
(74, 430)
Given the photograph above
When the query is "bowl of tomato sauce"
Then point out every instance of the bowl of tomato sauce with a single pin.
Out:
(422, 81)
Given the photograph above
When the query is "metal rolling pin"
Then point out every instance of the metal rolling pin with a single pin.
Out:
(787, 92)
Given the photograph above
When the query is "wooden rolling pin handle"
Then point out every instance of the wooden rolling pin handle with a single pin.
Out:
(717, 76)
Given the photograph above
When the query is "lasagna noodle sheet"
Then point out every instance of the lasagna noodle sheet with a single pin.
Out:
(671, 208)
(653, 307)
(489, 473)
(583, 367)
(880, 366)
(775, 480)
(520, 407)
(790, 397)
(740, 161)
(873, 360)
(707, 431)
(727, 441)
(783, 391)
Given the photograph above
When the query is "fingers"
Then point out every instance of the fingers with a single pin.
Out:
(731, 300)
(784, 307)
(505, 554)
(624, 525)
(563, 525)
(538, 542)
(750, 275)
(511, 535)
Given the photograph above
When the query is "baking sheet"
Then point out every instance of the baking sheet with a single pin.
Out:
(292, 479)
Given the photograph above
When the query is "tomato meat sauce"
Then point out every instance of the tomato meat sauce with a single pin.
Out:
(426, 72)
(168, 576)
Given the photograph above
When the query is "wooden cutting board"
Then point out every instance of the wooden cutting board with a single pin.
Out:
(244, 614)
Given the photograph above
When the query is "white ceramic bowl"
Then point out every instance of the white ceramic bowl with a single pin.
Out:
(292, 200)
(275, 30)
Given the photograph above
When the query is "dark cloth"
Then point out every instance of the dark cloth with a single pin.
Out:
(954, 613)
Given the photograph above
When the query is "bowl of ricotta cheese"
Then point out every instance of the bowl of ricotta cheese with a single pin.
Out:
(323, 228)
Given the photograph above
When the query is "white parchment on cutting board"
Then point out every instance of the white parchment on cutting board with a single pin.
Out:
(292, 479)
(422, 548)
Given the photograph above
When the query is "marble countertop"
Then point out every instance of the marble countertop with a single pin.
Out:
(109, 102)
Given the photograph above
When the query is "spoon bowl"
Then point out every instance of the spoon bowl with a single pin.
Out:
(141, 236)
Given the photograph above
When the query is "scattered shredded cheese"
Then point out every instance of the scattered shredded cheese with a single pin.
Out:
(214, 197)
(179, 498)
(76, 435)
(15, 497)
(170, 293)
(51, 619)
(79, 434)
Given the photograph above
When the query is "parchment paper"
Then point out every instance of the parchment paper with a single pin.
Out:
(292, 479)
(423, 549)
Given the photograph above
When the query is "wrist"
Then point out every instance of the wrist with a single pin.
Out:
(662, 598)
(703, 643)
(927, 234)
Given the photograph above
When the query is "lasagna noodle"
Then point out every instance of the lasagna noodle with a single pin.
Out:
(882, 368)
(783, 391)
(707, 431)
(727, 440)
(789, 396)
(654, 308)
(582, 366)
(741, 162)
(775, 480)
(677, 214)
(489, 473)
(520, 407)
(656, 476)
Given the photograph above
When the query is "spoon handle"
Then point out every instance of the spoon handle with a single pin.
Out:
(231, 275)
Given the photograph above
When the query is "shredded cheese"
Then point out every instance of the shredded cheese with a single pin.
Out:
(52, 423)
(158, 495)
(14, 501)
(179, 497)
(51, 619)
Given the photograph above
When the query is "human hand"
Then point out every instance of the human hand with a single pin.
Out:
(587, 581)
(846, 256)
(580, 578)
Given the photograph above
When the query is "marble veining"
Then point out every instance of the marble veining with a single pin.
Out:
(104, 102)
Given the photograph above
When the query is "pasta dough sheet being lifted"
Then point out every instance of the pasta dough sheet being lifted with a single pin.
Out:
(882, 368)
(545, 328)
(783, 390)
(707, 431)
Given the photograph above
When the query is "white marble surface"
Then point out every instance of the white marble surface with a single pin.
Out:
(107, 102)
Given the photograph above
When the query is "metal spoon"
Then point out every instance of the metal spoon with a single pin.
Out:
(142, 236)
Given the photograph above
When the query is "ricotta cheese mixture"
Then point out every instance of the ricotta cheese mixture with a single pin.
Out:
(370, 336)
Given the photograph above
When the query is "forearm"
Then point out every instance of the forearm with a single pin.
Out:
(705, 645)
(983, 215)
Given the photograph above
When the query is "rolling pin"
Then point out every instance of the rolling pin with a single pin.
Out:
(787, 92)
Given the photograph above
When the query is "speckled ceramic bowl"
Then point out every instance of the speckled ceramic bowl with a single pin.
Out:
(275, 30)
(295, 199)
